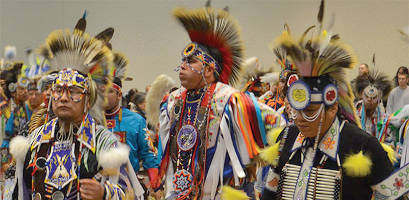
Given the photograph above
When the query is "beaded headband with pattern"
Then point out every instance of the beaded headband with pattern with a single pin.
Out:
(69, 77)
(193, 49)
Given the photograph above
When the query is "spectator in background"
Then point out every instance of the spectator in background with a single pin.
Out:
(363, 69)
(401, 70)
(137, 103)
(147, 88)
(399, 96)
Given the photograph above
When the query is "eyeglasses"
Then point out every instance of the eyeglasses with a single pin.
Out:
(73, 92)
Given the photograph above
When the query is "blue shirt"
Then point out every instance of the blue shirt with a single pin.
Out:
(133, 125)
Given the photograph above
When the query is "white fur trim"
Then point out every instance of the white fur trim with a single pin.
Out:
(114, 157)
(19, 146)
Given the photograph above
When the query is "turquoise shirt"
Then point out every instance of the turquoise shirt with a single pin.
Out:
(133, 125)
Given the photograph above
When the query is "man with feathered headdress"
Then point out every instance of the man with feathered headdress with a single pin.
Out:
(250, 78)
(19, 115)
(324, 155)
(372, 88)
(210, 132)
(275, 97)
(14, 115)
(72, 156)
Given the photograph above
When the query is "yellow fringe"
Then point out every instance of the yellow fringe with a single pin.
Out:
(273, 134)
(357, 165)
(390, 152)
(270, 154)
(229, 193)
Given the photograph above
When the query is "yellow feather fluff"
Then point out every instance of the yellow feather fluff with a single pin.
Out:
(357, 165)
(270, 154)
(390, 152)
(273, 134)
(229, 193)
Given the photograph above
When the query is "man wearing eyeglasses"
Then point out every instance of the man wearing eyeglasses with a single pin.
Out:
(72, 156)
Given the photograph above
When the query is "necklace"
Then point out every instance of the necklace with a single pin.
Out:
(190, 142)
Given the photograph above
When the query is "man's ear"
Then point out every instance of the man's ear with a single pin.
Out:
(208, 72)
(119, 95)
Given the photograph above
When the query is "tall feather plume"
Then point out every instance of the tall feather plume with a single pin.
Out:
(287, 28)
(323, 55)
(79, 51)
(159, 88)
(216, 29)
(82, 22)
(120, 62)
(105, 35)
(280, 53)
(208, 4)
(335, 37)
(302, 38)
(320, 16)
(373, 60)
(226, 8)
(405, 34)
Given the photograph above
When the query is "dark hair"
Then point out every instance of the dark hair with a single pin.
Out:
(403, 71)
(215, 53)
(131, 93)
(172, 89)
(138, 98)
(285, 89)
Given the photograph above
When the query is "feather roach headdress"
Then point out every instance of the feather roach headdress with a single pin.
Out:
(120, 63)
(215, 40)
(320, 62)
(373, 84)
(81, 60)
(281, 57)
(10, 74)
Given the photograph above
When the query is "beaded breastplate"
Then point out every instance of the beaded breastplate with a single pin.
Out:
(322, 183)
(307, 181)
(188, 141)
